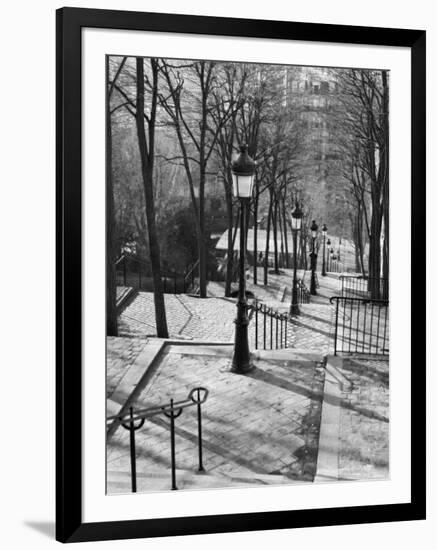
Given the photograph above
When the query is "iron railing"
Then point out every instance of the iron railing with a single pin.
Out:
(134, 272)
(190, 276)
(361, 326)
(334, 266)
(364, 287)
(303, 294)
(270, 327)
(134, 420)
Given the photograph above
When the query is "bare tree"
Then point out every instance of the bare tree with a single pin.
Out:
(111, 249)
(192, 106)
(143, 108)
(364, 124)
(147, 151)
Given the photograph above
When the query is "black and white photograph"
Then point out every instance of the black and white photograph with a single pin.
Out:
(218, 296)
(247, 274)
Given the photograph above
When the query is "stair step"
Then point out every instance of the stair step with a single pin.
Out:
(289, 354)
(120, 482)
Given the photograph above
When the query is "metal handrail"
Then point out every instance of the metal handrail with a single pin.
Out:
(174, 278)
(138, 260)
(171, 410)
(274, 331)
(190, 273)
(361, 325)
(362, 286)
(303, 295)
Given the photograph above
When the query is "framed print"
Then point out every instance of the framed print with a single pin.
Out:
(240, 252)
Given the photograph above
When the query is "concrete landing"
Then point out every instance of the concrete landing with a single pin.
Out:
(258, 428)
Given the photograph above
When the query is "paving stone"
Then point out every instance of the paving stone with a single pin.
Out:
(188, 317)
(120, 356)
(364, 420)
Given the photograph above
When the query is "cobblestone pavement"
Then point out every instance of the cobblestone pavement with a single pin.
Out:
(328, 286)
(211, 319)
(120, 355)
(313, 329)
(272, 293)
(188, 317)
(264, 424)
(364, 420)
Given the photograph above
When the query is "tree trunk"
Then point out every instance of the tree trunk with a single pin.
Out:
(355, 237)
(147, 158)
(386, 258)
(357, 234)
(281, 232)
(230, 247)
(275, 233)
(255, 235)
(385, 268)
(284, 224)
(266, 255)
(375, 255)
(201, 241)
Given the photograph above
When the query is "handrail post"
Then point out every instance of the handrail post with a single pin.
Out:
(132, 428)
(173, 447)
(264, 327)
(286, 332)
(276, 337)
(133, 463)
(256, 325)
(199, 430)
(336, 327)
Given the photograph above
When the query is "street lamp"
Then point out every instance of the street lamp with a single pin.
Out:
(331, 253)
(314, 228)
(328, 244)
(296, 226)
(324, 231)
(243, 173)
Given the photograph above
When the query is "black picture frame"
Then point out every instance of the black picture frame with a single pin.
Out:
(69, 524)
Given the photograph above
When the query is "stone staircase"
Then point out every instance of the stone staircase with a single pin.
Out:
(160, 480)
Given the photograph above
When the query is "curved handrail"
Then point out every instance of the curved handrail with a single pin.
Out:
(262, 308)
(191, 269)
(149, 412)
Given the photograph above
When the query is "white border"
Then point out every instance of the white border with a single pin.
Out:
(96, 505)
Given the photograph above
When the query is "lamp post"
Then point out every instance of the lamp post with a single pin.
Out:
(296, 226)
(324, 231)
(314, 228)
(243, 172)
(328, 244)
(331, 254)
